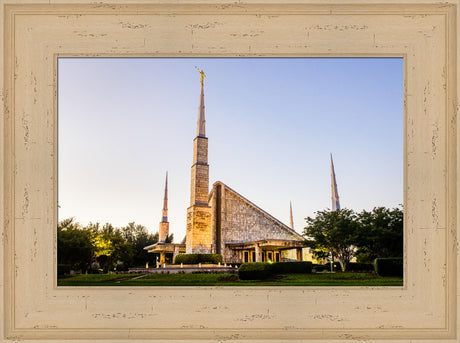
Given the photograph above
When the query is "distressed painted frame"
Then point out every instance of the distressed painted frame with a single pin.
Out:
(35, 34)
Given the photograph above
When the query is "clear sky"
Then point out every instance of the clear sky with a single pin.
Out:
(271, 123)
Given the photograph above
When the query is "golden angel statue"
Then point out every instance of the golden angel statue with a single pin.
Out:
(203, 75)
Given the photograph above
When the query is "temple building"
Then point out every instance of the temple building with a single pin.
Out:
(222, 221)
(243, 232)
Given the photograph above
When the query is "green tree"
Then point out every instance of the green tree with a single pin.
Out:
(332, 232)
(74, 245)
(169, 238)
(111, 248)
(108, 245)
(123, 252)
(110, 230)
(139, 238)
(380, 234)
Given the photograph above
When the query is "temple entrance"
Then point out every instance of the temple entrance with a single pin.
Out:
(246, 256)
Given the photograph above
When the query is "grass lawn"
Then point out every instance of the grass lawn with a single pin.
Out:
(316, 279)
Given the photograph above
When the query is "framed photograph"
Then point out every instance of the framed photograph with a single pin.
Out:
(36, 34)
(276, 122)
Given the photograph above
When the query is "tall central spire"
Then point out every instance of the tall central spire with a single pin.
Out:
(200, 167)
(201, 126)
(292, 220)
(334, 191)
(199, 235)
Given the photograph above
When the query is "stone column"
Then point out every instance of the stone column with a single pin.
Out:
(299, 254)
(162, 257)
(176, 252)
(258, 254)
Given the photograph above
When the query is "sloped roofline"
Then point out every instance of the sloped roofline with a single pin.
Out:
(257, 208)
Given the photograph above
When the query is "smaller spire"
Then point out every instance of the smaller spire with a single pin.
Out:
(292, 220)
(164, 224)
(334, 191)
(165, 202)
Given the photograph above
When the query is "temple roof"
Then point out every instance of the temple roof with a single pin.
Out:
(296, 236)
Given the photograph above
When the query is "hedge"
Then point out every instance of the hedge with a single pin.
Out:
(255, 271)
(327, 267)
(291, 267)
(264, 270)
(321, 267)
(198, 258)
(360, 267)
(392, 266)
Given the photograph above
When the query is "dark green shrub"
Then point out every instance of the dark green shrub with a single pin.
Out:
(336, 266)
(95, 271)
(264, 270)
(122, 267)
(291, 267)
(63, 269)
(255, 271)
(391, 266)
(360, 267)
(198, 258)
(321, 267)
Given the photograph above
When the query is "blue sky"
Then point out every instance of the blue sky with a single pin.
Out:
(271, 124)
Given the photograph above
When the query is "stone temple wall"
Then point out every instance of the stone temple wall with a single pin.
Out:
(242, 221)
(198, 237)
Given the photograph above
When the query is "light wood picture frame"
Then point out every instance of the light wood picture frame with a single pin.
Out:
(35, 34)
